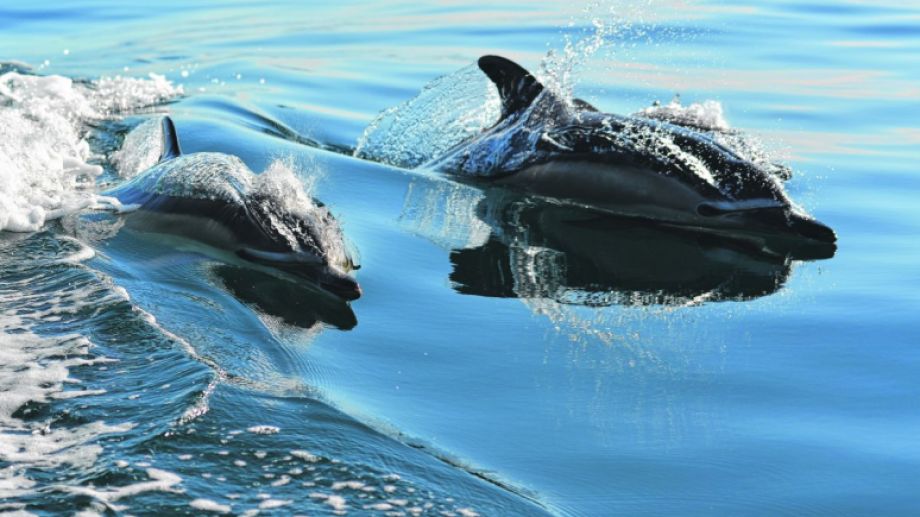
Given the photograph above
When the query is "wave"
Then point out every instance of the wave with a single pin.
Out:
(47, 168)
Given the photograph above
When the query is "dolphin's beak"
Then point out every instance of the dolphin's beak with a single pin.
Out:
(330, 278)
(773, 219)
(340, 284)
(812, 229)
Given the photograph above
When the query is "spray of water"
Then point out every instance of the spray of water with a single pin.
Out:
(47, 169)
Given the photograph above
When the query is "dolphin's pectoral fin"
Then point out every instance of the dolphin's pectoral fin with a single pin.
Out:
(170, 141)
(516, 87)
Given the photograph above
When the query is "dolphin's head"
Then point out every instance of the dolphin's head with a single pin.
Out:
(767, 216)
(307, 242)
(757, 201)
(777, 222)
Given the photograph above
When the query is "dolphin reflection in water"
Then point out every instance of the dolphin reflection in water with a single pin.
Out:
(290, 302)
(528, 247)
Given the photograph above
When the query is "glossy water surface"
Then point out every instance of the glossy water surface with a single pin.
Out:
(508, 357)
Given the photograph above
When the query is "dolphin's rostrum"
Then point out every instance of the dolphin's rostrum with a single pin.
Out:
(215, 199)
(629, 166)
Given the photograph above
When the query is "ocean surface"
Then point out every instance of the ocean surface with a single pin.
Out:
(503, 360)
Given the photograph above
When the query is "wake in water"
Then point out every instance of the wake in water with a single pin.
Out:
(47, 169)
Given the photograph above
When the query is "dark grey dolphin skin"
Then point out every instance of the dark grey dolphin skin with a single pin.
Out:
(203, 197)
(628, 166)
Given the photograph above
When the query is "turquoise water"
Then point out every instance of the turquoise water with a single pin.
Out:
(502, 360)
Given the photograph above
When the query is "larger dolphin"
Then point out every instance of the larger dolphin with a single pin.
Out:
(628, 166)
(209, 198)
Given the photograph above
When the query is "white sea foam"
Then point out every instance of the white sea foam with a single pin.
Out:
(352, 485)
(34, 370)
(707, 115)
(306, 456)
(269, 504)
(160, 480)
(31, 371)
(337, 503)
(82, 254)
(208, 505)
(45, 169)
(263, 429)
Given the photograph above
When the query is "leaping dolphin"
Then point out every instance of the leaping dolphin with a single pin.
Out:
(208, 197)
(628, 166)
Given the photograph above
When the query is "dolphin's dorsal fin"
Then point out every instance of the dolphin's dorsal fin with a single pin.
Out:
(170, 141)
(516, 87)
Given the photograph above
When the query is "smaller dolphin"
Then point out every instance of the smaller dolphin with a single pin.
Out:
(211, 198)
(628, 166)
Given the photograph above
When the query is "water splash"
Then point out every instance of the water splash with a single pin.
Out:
(140, 150)
(46, 165)
(446, 112)
(460, 105)
(559, 71)
(708, 117)
(284, 194)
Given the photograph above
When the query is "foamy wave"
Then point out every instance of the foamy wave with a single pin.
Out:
(707, 115)
(160, 481)
(36, 371)
(45, 169)
(32, 371)
(446, 112)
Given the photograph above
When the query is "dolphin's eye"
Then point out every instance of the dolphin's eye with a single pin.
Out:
(707, 210)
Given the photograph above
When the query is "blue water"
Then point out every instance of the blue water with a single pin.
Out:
(652, 373)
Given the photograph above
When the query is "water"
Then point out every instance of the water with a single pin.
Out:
(504, 360)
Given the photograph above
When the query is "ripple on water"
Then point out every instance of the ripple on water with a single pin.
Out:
(70, 380)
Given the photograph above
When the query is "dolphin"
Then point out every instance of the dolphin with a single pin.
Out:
(210, 198)
(625, 165)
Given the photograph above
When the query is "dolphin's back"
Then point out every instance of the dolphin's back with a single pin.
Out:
(538, 127)
(202, 195)
(697, 159)
(205, 176)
